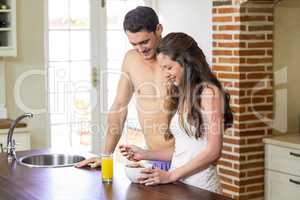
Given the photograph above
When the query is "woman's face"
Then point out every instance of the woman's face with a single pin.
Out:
(173, 71)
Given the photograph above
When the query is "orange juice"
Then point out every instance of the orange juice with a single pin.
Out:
(107, 168)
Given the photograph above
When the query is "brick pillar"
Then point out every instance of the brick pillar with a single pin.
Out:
(242, 60)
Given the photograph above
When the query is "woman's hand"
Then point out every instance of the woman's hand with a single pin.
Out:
(133, 153)
(155, 176)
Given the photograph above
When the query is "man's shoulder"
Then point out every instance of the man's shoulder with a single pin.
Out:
(132, 53)
(132, 59)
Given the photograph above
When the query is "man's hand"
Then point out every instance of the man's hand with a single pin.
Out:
(155, 176)
(132, 152)
(92, 162)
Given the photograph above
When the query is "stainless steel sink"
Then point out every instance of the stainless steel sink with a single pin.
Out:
(50, 160)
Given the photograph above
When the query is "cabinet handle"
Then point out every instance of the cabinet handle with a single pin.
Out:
(295, 154)
(296, 182)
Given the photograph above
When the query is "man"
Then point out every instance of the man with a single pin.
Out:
(142, 76)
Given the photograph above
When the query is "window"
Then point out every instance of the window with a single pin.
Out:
(69, 69)
(71, 26)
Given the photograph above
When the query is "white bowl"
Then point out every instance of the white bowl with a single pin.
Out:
(133, 171)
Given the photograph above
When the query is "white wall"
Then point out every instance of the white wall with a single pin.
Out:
(286, 55)
(30, 29)
(193, 17)
(2, 85)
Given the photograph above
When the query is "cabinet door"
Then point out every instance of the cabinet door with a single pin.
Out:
(282, 159)
(3, 141)
(22, 141)
(281, 186)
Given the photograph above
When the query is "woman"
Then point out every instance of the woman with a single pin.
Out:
(202, 112)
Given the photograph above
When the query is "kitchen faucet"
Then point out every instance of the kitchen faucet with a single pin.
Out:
(11, 144)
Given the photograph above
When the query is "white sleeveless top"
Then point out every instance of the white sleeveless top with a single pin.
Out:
(186, 148)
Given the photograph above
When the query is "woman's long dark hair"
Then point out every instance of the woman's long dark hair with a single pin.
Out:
(183, 49)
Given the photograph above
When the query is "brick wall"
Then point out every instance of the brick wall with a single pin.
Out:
(242, 60)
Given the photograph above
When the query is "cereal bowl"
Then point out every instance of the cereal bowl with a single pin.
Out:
(133, 171)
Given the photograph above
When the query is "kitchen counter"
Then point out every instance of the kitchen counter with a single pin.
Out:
(291, 140)
(5, 124)
(16, 131)
(21, 182)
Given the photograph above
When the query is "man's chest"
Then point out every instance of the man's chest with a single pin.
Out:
(148, 81)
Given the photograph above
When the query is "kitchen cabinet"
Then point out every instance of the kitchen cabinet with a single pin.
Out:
(8, 42)
(282, 167)
(21, 136)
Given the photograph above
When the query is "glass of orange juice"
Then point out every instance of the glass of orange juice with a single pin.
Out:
(107, 167)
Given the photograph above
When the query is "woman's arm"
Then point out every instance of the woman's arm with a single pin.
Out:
(212, 105)
(212, 111)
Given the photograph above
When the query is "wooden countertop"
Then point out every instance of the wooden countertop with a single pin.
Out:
(5, 124)
(21, 182)
(291, 140)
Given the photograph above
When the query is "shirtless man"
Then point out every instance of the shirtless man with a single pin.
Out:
(142, 76)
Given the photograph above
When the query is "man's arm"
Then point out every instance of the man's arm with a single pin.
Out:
(135, 153)
(118, 111)
(116, 115)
